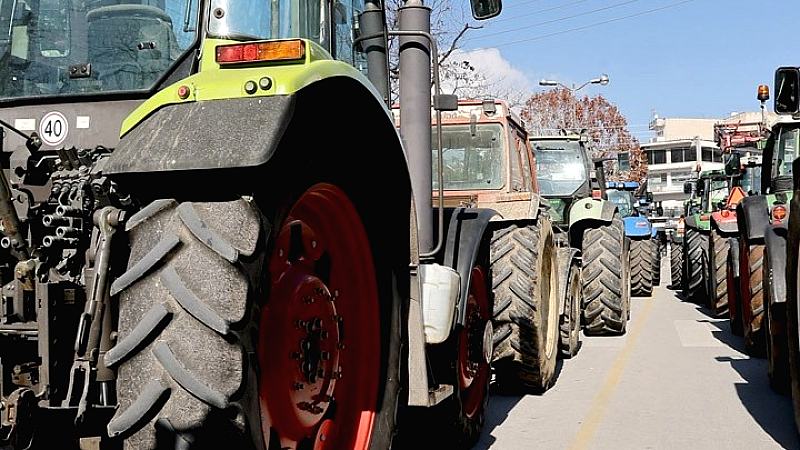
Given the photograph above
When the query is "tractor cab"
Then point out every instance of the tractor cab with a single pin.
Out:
(565, 172)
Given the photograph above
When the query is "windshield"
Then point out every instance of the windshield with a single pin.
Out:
(473, 159)
(624, 202)
(717, 191)
(331, 24)
(786, 151)
(751, 180)
(65, 47)
(560, 169)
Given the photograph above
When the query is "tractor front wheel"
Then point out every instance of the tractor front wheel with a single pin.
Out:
(718, 274)
(752, 274)
(606, 279)
(571, 319)
(695, 266)
(642, 267)
(526, 325)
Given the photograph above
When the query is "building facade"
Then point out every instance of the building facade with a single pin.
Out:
(680, 149)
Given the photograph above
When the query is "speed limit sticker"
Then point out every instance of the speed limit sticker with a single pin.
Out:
(53, 128)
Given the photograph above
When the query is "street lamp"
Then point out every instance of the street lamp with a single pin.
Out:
(602, 81)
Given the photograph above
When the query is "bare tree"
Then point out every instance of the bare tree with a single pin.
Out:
(549, 112)
(450, 24)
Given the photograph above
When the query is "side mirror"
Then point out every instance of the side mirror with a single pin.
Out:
(649, 196)
(485, 9)
(688, 187)
(787, 90)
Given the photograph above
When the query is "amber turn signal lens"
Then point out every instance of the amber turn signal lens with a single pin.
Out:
(249, 52)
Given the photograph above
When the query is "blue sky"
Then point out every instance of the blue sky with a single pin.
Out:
(679, 58)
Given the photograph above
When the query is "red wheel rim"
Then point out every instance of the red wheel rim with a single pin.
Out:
(473, 368)
(319, 346)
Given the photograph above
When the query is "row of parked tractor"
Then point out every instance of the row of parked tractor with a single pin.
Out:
(735, 250)
(213, 234)
(574, 247)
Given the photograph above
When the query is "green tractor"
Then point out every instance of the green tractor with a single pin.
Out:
(708, 190)
(589, 225)
(199, 249)
(762, 221)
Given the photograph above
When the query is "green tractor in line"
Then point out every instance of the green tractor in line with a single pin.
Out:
(708, 190)
(762, 221)
(588, 226)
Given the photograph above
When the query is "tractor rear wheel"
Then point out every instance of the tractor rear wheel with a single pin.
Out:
(571, 319)
(718, 274)
(657, 263)
(642, 256)
(734, 288)
(676, 264)
(696, 266)
(606, 279)
(753, 299)
(775, 323)
(524, 284)
(471, 393)
(221, 347)
(792, 308)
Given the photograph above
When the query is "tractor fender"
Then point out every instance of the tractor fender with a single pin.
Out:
(466, 233)
(752, 214)
(637, 227)
(586, 213)
(247, 132)
(214, 134)
(775, 249)
(691, 221)
(591, 209)
(725, 224)
(567, 257)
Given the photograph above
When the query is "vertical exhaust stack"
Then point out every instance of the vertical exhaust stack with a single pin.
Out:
(415, 112)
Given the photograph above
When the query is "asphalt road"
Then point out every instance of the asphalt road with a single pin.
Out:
(678, 379)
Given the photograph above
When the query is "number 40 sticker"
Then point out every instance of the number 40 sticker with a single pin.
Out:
(53, 128)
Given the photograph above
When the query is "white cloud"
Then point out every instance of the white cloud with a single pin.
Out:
(500, 74)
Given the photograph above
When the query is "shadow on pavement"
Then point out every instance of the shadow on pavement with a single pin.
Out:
(771, 411)
(501, 404)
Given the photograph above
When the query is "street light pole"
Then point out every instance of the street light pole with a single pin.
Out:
(602, 80)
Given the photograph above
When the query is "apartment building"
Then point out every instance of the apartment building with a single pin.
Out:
(680, 149)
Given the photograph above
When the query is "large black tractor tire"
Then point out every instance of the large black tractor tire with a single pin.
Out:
(526, 323)
(676, 264)
(642, 270)
(755, 339)
(606, 280)
(656, 263)
(458, 420)
(695, 266)
(201, 362)
(718, 274)
(734, 288)
(793, 310)
(777, 351)
(571, 318)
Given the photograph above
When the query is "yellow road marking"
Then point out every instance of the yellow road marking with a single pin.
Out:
(589, 426)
